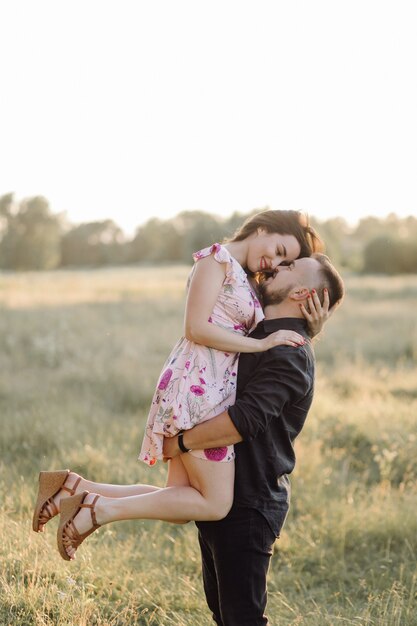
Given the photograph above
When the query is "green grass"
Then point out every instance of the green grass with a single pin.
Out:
(80, 353)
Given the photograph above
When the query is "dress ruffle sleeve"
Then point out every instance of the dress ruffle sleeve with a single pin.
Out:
(221, 255)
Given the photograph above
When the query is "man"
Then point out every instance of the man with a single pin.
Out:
(274, 394)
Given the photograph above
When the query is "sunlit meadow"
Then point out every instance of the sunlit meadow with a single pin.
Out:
(80, 355)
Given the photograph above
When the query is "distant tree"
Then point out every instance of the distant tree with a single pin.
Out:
(93, 244)
(31, 239)
(370, 227)
(175, 239)
(407, 255)
(6, 203)
(235, 221)
(334, 232)
(156, 241)
(378, 255)
(198, 230)
(389, 255)
(408, 227)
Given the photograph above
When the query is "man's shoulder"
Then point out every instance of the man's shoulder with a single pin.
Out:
(293, 353)
(293, 363)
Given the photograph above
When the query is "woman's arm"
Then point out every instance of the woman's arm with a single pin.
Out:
(204, 289)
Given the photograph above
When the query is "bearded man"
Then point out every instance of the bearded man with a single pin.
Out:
(274, 394)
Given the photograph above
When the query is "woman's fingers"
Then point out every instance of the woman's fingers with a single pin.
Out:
(293, 337)
(290, 342)
(306, 313)
(326, 301)
(314, 304)
(317, 309)
(288, 338)
(317, 313)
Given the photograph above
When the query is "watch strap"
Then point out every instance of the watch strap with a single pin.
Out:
(181, 444)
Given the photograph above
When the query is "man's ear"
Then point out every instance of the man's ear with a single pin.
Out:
(299, 293)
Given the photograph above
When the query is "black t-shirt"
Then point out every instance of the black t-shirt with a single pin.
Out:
(274, 394)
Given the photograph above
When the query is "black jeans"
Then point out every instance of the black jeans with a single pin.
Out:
(236, 553)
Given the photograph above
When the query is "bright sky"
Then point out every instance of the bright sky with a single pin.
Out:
(131, 109)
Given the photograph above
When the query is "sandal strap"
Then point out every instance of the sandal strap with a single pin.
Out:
(51, 511)
(76, 540)
(72, 490)
(92, 511)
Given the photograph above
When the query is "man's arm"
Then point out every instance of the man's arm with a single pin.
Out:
(215, 433)
(279, 377)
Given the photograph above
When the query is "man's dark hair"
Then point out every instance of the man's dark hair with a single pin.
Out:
(332, 280)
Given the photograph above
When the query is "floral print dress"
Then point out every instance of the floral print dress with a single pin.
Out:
(197, 382)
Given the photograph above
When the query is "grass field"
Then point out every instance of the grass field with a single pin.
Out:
(80, 353)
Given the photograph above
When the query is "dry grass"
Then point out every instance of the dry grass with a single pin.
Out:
(80, 353)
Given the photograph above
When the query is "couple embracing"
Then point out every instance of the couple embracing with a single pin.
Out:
(232, 397)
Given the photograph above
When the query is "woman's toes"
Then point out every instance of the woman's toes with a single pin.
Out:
(70, 534)
(70, 550)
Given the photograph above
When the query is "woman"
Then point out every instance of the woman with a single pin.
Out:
(198, 382)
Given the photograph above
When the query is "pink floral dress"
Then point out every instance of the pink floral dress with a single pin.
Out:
(198, 382)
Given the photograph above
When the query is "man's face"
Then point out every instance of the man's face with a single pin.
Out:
(299, 274)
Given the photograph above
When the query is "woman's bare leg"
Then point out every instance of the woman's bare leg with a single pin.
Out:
(208, 497)
(177, 476)
(115, 491)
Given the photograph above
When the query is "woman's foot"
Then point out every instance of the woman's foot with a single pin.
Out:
(78, 521)
(53, 486)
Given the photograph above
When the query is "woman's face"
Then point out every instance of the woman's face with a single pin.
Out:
(268, 250)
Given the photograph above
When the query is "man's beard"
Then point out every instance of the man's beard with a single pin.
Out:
(273, 297)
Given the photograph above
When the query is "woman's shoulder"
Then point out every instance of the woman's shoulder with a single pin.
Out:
(217, 250)
(234, 273)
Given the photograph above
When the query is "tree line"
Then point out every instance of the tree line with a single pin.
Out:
(32, 237)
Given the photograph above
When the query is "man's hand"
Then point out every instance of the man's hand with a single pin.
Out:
(171, 448)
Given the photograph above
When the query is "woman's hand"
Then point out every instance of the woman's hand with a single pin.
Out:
(282, 338)
(318, 313)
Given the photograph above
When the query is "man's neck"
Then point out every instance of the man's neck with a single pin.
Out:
(284, 309)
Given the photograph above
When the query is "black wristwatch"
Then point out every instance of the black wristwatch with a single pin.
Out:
(181, 445)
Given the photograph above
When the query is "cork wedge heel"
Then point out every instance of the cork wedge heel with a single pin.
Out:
(69, 509)
(50, 483)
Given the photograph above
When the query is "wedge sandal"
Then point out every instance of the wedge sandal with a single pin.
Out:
(69, 509)
(50, 483)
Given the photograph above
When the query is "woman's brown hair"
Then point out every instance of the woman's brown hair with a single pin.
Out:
(285, 222)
